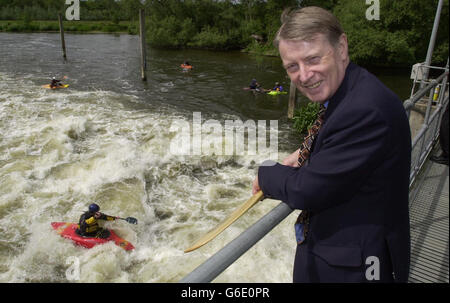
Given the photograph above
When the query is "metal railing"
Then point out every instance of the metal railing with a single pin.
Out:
(421, 146)
(433, 98)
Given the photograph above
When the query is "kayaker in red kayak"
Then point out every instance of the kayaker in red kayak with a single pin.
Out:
(88, 224)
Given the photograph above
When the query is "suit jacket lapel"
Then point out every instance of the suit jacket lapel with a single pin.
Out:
(350, 79)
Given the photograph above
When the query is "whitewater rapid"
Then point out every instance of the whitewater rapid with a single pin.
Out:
(62, 150)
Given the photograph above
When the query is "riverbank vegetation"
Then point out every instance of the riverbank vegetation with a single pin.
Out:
(69, 26)
(399, 38)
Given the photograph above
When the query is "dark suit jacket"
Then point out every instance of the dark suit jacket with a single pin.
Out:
(355, 185)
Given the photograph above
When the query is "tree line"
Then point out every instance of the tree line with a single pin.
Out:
(91, 10)
(399, 38)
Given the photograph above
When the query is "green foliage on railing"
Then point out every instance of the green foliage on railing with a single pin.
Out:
(69, 26)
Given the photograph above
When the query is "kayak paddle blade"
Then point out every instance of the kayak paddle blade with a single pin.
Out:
(228, 221)
(132, 220)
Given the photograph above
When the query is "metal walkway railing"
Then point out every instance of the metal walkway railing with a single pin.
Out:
(423, 141)
(421, 147)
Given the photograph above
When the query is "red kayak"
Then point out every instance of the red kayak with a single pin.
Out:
(67, 230)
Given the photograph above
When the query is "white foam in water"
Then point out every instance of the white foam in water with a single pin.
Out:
(60, 152)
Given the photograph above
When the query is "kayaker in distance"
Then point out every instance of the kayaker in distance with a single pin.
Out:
(278, 87)
(55, 83)
(255, 85)
(88, 223)
(186, 66)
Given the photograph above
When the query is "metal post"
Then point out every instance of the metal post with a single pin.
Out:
(291, 107)
(432, 40)
(61, 31)
(440, 102)
(426, 124)
(430, 102)
(143, 51)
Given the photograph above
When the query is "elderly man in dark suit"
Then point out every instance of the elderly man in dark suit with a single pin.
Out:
(353, 187)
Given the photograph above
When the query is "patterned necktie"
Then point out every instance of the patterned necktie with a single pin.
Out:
(302, 223)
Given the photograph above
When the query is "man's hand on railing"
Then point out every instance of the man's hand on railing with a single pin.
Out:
(255, 186)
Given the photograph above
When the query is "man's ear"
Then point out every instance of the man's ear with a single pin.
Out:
(343, 47)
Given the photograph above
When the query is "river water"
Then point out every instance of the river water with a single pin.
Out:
(109, 138)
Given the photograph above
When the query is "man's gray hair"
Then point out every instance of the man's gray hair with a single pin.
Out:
(305, 23)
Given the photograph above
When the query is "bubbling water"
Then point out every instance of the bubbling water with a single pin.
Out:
(62, 150)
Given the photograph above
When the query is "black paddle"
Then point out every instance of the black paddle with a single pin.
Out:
(130, 220)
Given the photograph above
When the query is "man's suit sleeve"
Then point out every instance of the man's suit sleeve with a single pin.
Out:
(351, 147)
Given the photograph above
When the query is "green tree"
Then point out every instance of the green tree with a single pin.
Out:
(400, 37)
